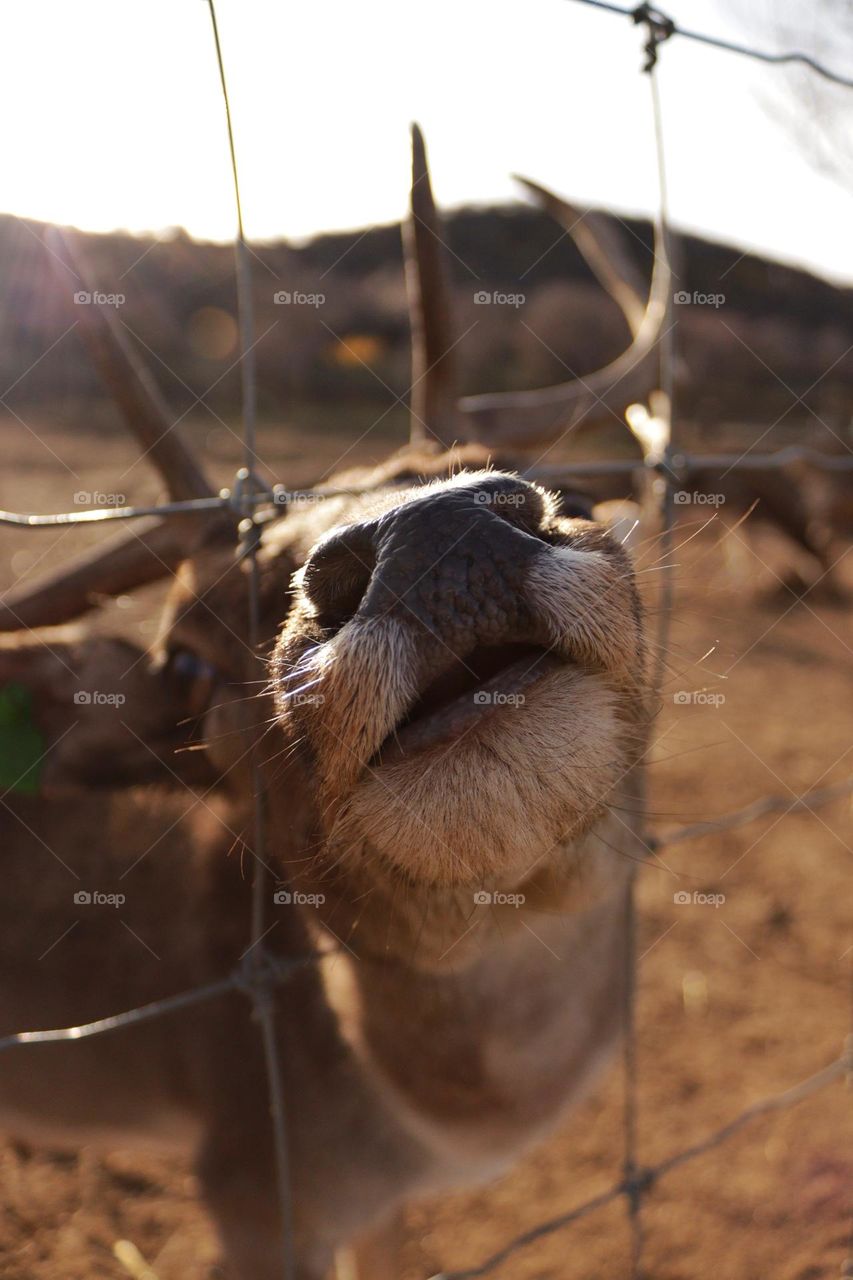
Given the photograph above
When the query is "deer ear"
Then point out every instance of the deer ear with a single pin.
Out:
(88, 710)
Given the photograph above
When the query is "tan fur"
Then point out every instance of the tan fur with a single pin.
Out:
(442, 1036)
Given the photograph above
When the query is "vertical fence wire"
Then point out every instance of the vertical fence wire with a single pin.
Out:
(666, 476)
(631, 1168)
(663, 490)
(260, 984)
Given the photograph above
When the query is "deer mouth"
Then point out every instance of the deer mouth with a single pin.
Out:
(486, 683)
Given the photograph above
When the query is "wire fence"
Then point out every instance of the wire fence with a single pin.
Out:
(260, 971)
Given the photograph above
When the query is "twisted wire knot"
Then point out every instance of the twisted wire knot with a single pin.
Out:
(659, 27)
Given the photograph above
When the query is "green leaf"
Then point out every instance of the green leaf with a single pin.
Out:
(22, 744)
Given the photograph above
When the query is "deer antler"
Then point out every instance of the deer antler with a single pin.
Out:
(525, 417)
(602, 247)
(538, 417)
(121, 564)
(433, 394)
(149, 551)
(131, 385)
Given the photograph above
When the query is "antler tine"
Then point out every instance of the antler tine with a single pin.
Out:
(149, 551)
(130, 383)
(603, 249)
(124, 562)
(539, 417)
(433, 394)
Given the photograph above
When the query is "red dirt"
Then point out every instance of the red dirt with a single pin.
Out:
(735, 1001)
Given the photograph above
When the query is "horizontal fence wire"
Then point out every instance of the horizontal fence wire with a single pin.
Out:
(669, 27)
(259, 982)
(244, 978)
(645, 1178)
(277, 498)
(282, 968)
(241, 979)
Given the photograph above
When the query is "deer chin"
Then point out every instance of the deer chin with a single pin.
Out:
(476, 775)
(481, 794)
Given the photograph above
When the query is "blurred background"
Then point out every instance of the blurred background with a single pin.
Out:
(119, 129)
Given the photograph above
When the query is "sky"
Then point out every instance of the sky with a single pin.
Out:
(115, 119)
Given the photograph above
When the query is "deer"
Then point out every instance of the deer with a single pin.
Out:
(448, 699)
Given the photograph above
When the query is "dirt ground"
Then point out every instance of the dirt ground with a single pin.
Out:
(736, 1000)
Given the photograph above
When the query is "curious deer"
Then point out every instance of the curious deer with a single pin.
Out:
(451, 739)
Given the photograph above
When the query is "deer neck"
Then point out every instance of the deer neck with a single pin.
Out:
(483, 1031)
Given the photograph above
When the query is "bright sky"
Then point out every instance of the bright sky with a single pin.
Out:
(114, 117)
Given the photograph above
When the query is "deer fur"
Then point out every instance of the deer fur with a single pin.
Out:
(437, 1038)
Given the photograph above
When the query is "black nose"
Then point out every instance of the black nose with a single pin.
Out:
(451, 563)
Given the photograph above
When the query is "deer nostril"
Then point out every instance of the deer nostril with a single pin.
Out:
(337, 574)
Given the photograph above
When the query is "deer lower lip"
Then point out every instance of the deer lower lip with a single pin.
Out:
(448, 723)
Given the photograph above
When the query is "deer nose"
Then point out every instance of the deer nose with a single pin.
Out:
(450, 564)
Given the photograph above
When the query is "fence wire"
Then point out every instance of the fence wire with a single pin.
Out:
(260, 972)
(259, 967)
(667, 27)
(637, 1179)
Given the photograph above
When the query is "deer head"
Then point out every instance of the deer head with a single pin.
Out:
(448, 703)
(456, 685)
